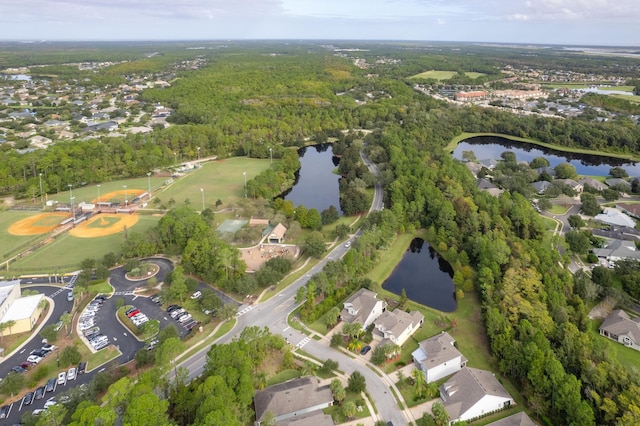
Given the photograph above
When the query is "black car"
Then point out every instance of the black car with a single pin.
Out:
(51, 385)
(39, 393)
(40, 353)
(82, 367)
(131, 309)
(18, 369)
(4, 411)
(28, 399)
(100, 297)
(365, 350)
(172, 308)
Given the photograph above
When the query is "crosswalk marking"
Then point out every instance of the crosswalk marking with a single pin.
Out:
(303, 342)
(244, 311)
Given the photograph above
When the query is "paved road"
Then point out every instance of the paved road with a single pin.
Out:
(274, 312)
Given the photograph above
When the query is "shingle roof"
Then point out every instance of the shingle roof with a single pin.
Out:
(316, 418)
(437, 350)
(467, 387)
(396, 322)
(619, 323)
(291, 396)
(618, 248)
(518, 419)
(362, 302)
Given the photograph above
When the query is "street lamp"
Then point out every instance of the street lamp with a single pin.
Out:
(149, 183)
(40, 177)
(175, 157)
(71, 199)
(98, 195)
(245, 183)
(73, 211)
(198, 153)
(202, 190)
(270, 157)
(126, 202)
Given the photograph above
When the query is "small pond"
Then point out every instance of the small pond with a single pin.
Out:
(490, 147)
(316, 186)
(425, 276)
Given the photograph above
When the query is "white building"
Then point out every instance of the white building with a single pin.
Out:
(363, 307)
(437, 357)
(397, 326)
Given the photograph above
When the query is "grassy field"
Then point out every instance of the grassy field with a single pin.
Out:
(444, 75)
(221, 180)
(90, 193)
(451, 146)
(68, 251)
(10, 242)
(635, 99)
(626, 356)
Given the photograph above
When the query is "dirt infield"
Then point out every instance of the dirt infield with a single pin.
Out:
(118, 196)
(38, 224)
(104, 224)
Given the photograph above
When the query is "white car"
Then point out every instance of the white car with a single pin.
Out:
(34, 358)
(62, 378)
(348, 244)
(196, 295)
(71, 374)
(50, 403)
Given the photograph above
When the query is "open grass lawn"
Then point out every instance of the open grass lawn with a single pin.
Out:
(635, 99)
(444, 75)
(558, 209)
(66, 252)
(11, 242)
(335, 411)
(283, 376)
(90, 193)
(220, 180)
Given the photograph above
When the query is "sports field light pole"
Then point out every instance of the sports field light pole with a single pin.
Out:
(202, 190)
(149, 183)
(270, 157)
(41, 199)
(126, 202)
(73, 211)
(71, 199)
(245, 183)
(175, 157)
(198, 153)
(98, 195)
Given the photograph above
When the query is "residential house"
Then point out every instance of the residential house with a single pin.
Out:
(472, 393)
(548, 170)
(619, 183)
(617, 250)
(620, 327)
(518, 419)
(615, 217)
(541, 186)
(40, 141)
(571, 184)
(473, 167)
(489, 163)
(592, 183)
(489, 187)
(632, 210)
(277, 234)
(317, 418)
(396, 326)
(437, 357)
(292, 399)
(363, 307)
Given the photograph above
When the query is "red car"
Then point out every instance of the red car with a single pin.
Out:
(133, 313)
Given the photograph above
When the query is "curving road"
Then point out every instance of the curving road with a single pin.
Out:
(274, 313)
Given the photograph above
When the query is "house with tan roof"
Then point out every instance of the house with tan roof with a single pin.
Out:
(276, 236)
(472, 393)
(363, 307)
(620, 327)
(437, 357)
(292, 400)
(518, 419)
(396, 326)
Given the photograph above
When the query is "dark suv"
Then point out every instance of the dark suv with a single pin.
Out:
(82, 367)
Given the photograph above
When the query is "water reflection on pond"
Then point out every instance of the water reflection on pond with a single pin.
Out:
(425, 276)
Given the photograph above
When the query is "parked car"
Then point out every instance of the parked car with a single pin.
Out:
(39, 352)
(133, 313)
(51, 385)
(4, 411)
(34, 359)
(175, 314)
(58, 326)
(39, 393)
(27, 365)
(62, 378)
(18, 369)
(71, 374)
(50, 403)
(70, 296)
(49, 348)
(348, 244)
(365, 350)
(100, 297)
(82, 367)
(172, 308)
(196, 295)
(156, 298)
(184, 318)
(28, 399)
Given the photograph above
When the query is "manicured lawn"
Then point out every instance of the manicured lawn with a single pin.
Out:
(628, 357)
(89, 193)
(221, 179)
(444, 75)
(66, 252)
(10, 242)
(558, 209)
(335, 411)
(283, 376)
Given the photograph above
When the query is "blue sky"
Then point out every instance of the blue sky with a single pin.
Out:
(583, 22)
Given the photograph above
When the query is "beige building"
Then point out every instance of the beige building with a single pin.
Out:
(24, 311)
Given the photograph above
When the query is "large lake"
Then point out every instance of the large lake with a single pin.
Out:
(425, 276)
(490, 147)
(316, 186)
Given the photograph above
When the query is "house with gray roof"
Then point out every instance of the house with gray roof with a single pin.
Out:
(518, 419)
(291, 400)
(437, 357)
(317, 418)
(541, 186)
(592, 183)
(472, 393)
(619, 326)
(363, 307)
(397, 326)
(632, 210)
(571, 184)
(618, 250)
(615, 217)
(619, 183)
